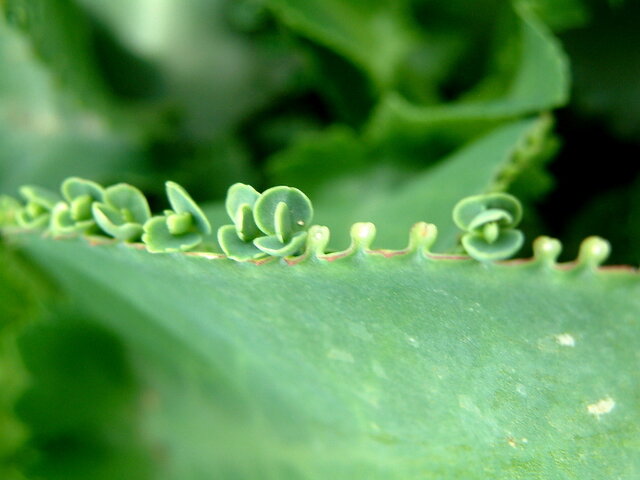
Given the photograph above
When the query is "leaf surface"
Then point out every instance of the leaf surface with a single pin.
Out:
(372, 367)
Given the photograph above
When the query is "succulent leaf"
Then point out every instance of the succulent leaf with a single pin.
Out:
(181, 202)
(491, 216)
(179, 223)
(272, 245)
(489, 220)
(180, 229)
(272, 223)
(127, 198)
(505, 244)
(37, 211)
(74, 215)
(239, 195)
(124, 211)
(298, 205)
(75, 187)
(245, 225)
(236, 248)
(114, 223)
(468, 212)
(64, 223)
(159, 239)
(283, 225)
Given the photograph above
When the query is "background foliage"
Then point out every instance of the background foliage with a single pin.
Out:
(386, 111)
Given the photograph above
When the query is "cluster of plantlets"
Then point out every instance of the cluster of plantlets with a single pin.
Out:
(275, 223)
(120, 211)
(272, 223)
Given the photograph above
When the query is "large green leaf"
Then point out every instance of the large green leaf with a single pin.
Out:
(371, 366)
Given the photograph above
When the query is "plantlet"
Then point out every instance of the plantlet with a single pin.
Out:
(124, 212)
(37, 211)
(273, 223)
(489, 222)
(180, 229)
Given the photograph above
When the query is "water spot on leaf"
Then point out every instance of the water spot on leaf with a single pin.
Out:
(601, 407)
(566, 340)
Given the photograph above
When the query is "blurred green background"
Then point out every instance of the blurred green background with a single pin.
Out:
(349, 100)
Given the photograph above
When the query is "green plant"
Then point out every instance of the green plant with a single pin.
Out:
(380, 333)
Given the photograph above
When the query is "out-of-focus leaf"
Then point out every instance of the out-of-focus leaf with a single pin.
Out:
(537, 81)
(319, 156)
(616, 214)
(60, 35)
(44, 134)
(560, 15)
(212, 74)
(396, 198)
(22, 294)
(81, 405)
(376, 35)
(605, 59)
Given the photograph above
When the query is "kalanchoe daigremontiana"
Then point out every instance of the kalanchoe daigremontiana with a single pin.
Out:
(36, 213)
(272, 223)
(180, 229)
(489, 222)
(123, 213)
(75, 215)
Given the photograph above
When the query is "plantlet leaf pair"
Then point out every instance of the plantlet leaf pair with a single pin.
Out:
(123, 213)
(179, 229)
(489, 222)
(272, 223)
(75, 215)
(36, 214)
